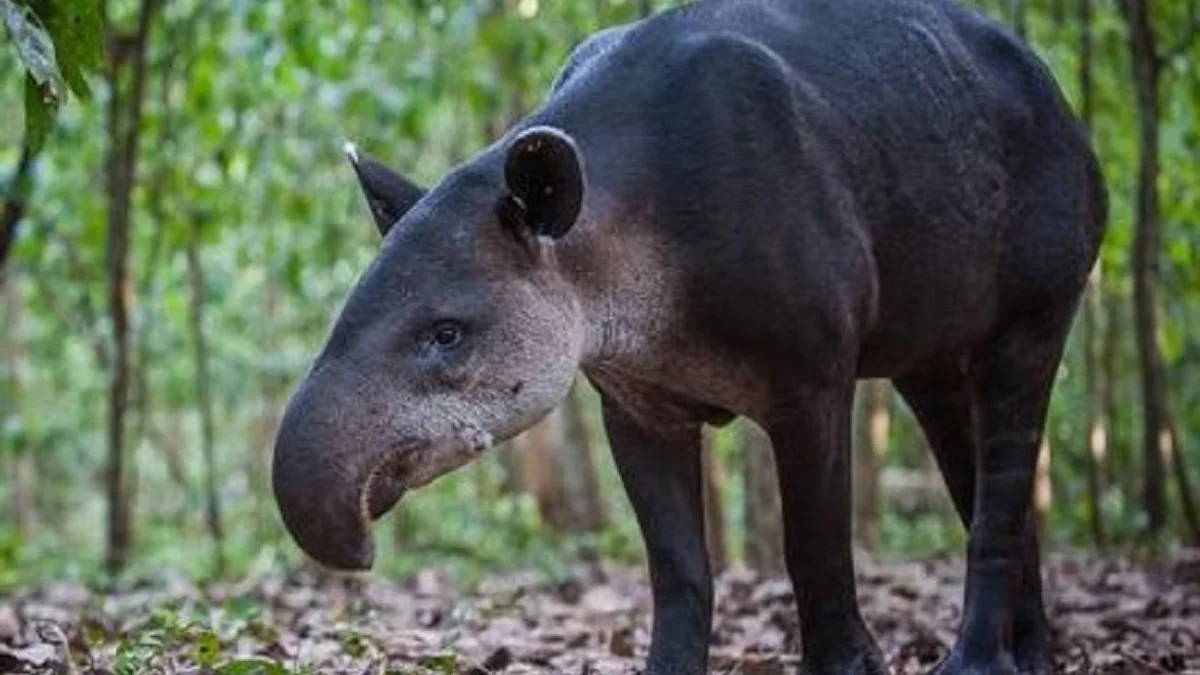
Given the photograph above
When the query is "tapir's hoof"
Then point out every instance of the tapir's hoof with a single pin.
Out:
(1040, 663)
(1035, 656)
(959, 664)
(868, 662)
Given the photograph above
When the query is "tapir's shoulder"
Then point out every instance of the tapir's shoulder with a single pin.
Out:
(590, 53)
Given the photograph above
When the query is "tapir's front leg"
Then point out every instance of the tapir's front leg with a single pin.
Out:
(661, 473)
(811, 439)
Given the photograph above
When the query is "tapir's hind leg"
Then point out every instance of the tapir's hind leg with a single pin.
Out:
(942, 404)
(1008, 388)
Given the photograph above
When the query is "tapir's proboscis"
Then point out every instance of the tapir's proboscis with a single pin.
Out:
(733, 208)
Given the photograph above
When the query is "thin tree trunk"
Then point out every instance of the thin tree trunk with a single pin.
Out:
(1097, 387)
(195, 269)
(171, 444)
(541, 473)
(762, 515)
(124, 127)
(1119, 467)
(155, 196)
(1187, 500)
(273, 388)
(22, 471)
(1143, 51)
(1093, 321)
(583, 483)
(872, 420)
(714, 512)
(557, 468)
(1058, 13)
(511, 480)
(1017, 9)
(1043, 491)
(15, 204)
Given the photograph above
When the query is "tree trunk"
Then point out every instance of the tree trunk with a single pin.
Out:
(558, 469)
(22, 469)
(1119, 467)
(762, 515)
(872, 419)
(1093, 321)
(714, 501)
(272, 390)
(1058, 13)
(1143, 51)
(1096, 385)
(14, 205)
(124, 127)
(1017, 10)
(195, 269)
(1043, 491)
(581, 478)
(1187, 501)
(540, 471)
(155, 205)
(511, 480)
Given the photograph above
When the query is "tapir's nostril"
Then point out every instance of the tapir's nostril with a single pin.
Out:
(516, 388)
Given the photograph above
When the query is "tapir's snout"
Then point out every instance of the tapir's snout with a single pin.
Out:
(320, 478)
(335, 471)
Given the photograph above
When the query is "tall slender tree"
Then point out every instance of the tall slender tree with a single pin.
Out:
(872, 421)
(1158, 429)
(212, 496)
(15, 200)
(128, 57)
(1096, 385)
(762, 515)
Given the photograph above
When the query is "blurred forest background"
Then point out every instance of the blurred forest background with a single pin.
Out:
(179, 227)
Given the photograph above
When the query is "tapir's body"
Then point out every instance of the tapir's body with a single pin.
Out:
(737, 207)
(897, 174)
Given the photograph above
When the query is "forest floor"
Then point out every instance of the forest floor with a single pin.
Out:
(1110, 616)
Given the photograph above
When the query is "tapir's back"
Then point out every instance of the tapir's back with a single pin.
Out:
(769, 133)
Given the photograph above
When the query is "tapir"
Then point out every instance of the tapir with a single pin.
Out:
(733, 208)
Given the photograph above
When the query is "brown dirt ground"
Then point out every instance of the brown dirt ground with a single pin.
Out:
(1111, 616)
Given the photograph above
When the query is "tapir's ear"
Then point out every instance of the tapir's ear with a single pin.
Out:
(544, 176)
(388, 194)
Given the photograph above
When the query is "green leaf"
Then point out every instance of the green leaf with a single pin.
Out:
(34, 46)
(446, 663)
(252, 666)
(40, 110)
(208, 648)
(77, 28)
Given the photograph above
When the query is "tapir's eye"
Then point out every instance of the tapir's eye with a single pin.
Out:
(447, 335)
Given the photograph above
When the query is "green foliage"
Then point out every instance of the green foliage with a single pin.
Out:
(59, 42)
(247, 106)
(167, 634)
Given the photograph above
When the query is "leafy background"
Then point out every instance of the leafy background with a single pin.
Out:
(245, 230)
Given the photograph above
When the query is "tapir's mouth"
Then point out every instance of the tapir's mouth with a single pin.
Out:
(413, 465)
(384, 487)
(329, 502)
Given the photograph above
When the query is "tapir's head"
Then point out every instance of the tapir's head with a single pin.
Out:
(462, 332)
